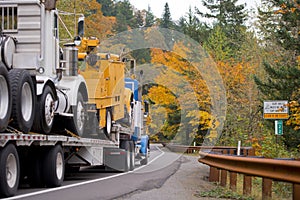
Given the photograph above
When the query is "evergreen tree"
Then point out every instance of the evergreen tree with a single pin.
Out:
(139, 19)
(282, 26)
(192, 26)
(230, 17)
(149, 18)
(107, 7)
(217, 45)
(166, 21)
(279, 25)
(125, 16)
(225, 12)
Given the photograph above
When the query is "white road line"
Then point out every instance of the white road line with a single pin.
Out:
(83, 183)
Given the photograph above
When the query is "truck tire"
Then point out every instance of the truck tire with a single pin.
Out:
(146, 159)
(53, 167)
(78, 121)
(5, 98)
(108, 122)
(23, 99)
(9, 171)
(132, 156)
(44, 116)
(126, 146)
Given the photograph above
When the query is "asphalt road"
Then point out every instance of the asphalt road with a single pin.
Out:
(142, 183)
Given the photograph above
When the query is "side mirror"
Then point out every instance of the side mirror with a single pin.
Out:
(146, 106)
(80, 30)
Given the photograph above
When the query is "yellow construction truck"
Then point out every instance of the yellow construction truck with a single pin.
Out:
(105, 78)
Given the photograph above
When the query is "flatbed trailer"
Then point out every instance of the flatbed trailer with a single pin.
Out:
(42, 160)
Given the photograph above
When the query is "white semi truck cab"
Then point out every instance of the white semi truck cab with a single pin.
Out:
(42, 80)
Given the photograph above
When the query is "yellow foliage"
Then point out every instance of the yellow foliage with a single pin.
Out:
(294, 119)
(96, 24)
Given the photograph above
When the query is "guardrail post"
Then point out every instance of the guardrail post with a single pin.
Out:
(223, 177)
(247, 185)
(296, 191)
(251, 152)
(245, 152)
(213, 174)
(233, 178)
(267, 189)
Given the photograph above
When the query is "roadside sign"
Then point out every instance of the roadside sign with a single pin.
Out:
(278, 127)
(276, 109)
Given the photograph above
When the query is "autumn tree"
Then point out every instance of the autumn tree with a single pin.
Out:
(185, 82)
(95, 23)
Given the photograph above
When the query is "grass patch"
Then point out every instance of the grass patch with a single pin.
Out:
(221, 192)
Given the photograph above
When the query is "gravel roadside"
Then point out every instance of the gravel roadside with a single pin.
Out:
(189, 180)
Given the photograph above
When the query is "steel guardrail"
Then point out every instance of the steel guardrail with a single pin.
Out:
(269, 169)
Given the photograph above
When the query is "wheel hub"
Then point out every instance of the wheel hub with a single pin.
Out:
(49, 109)
(11, 170)
(26, 101)
(59, 166)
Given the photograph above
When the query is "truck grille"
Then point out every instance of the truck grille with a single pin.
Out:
(9, 18)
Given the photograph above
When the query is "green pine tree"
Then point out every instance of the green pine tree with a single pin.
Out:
(150, 19)
(193, 27)
(107, 7)
(218, 45)
(125, 16)
(231, 17)
(139, 20)
(279, 28)
(166, 21)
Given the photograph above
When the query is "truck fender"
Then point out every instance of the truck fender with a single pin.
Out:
(72, 85)
(41, 82)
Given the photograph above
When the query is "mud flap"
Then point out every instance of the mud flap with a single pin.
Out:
(115, 159)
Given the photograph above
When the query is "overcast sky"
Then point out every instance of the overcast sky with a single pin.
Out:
(178, 8)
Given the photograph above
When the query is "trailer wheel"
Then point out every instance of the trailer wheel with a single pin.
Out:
(9, 171)
(132, 156)
(108, 123)
(53, 167)
(5, 98)
(44, 116)
(23, 99)
(78, 121)
(126, 146)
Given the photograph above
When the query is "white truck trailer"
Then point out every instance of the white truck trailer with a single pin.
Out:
(44, 105)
